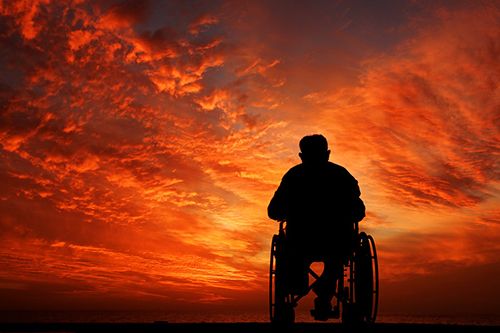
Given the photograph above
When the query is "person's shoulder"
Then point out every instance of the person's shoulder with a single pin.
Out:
(338, 169)
(294, 171)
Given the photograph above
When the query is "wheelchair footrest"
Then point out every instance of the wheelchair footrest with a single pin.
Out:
(325, 315)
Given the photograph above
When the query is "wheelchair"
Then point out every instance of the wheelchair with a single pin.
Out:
(357, 291)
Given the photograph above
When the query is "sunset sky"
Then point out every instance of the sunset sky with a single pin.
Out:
(141, 141)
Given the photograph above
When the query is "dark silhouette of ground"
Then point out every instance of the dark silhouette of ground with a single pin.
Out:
(241, 328)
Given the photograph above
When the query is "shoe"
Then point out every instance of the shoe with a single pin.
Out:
(322, 309)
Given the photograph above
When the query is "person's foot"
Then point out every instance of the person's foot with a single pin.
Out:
(322, 309)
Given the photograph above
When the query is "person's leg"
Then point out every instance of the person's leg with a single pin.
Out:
(298, 278)
(326, 284)
(325, 288)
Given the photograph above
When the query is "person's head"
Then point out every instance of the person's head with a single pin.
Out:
(314, 149)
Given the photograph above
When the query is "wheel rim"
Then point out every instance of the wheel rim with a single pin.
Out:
(376, 282)
(280, 302)
(366, 278)
(272, 277)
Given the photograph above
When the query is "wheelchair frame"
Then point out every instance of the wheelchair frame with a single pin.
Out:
(357, 291)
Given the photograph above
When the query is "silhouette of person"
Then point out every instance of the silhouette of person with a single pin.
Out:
(320, 201)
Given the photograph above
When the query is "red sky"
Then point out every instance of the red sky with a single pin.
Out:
(141, 141)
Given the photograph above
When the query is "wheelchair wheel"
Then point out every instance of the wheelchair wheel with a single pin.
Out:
(366, 279)
(281, 309)
(360, 298)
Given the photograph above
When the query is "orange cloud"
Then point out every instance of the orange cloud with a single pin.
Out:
(201, 23)
(427, 123)
(96, 157)
(421, 131)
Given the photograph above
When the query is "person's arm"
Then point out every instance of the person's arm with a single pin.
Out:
(357, 206)
(278, 207)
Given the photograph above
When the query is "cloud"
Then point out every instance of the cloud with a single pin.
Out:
(201, 23)
(466, 299)
(26, 14)
(109, 166)
(124, 14)
(426, 115)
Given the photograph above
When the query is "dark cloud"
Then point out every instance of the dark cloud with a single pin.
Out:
(126, 13)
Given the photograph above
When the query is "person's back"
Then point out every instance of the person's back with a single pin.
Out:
(320, 202)
(317, 204)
